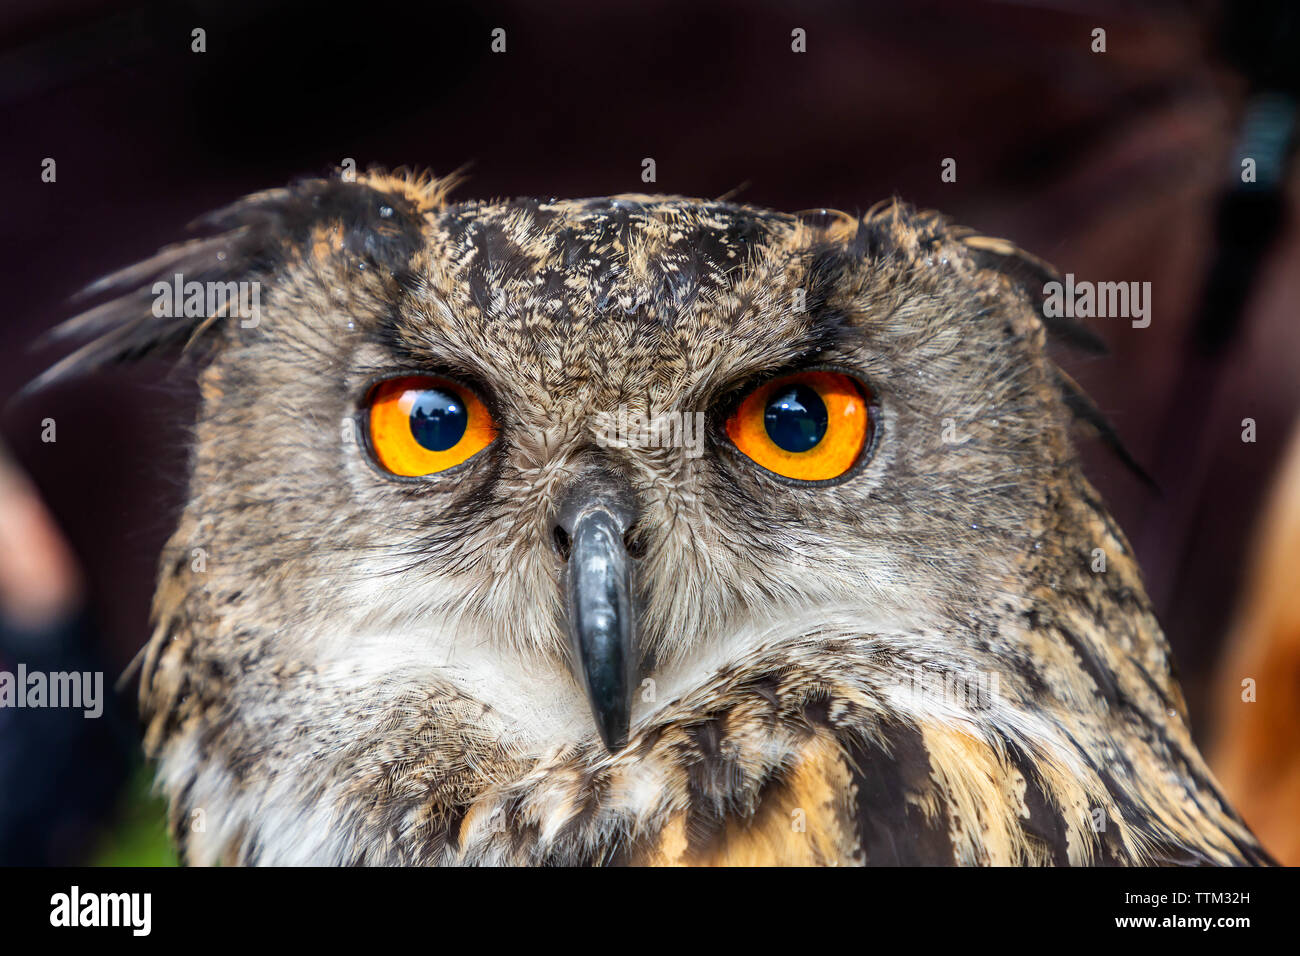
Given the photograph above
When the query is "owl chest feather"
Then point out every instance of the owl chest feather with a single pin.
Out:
(801, 754)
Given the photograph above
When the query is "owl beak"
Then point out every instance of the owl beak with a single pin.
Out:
(601, 620)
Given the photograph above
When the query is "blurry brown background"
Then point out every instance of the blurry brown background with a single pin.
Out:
(1110, 165)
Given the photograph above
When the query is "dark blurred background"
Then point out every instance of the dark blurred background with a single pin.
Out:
(1116, 166)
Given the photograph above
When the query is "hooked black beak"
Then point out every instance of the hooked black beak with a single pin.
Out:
(601, 618)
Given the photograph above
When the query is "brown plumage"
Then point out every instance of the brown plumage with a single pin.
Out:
(914, 663)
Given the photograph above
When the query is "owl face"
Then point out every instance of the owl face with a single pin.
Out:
(574, 456)
(616, 530)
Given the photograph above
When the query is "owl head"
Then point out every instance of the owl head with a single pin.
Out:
(480, 486)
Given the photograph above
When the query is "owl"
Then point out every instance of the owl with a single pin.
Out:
(640, 530)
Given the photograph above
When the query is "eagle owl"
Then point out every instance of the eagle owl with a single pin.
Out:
(642, 530)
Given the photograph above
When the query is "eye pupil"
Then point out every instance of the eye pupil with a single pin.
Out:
(796, 418)
(438, 419)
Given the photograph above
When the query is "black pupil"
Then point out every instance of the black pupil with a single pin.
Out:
(438, 419)
(795, 418)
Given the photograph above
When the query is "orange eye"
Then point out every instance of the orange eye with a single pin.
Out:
(811, 426)
(420, 425)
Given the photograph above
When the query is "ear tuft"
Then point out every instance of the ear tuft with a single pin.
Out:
(380, 218)
(893, 224)
(1094, 422)
(1032, 275)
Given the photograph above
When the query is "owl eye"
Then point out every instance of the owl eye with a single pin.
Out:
(811, 426)
(420, 425)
